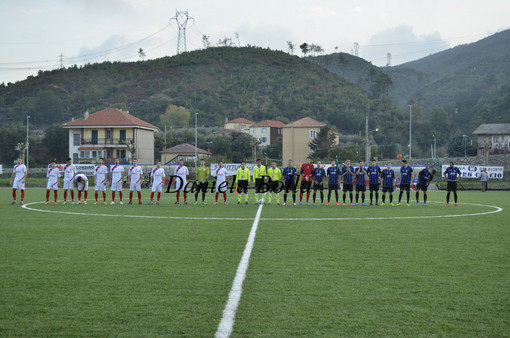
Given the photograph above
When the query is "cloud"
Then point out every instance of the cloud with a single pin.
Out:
(307, 13)
(113, 48)
(403, 44)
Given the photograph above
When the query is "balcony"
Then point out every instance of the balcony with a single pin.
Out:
(105, 141)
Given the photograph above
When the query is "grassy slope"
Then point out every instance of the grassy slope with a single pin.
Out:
(72, 274)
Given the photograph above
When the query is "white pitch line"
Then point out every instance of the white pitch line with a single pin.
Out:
(226, 324)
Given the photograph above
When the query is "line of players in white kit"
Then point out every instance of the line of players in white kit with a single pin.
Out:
(288, 181)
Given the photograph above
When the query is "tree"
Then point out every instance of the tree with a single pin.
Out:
(9, 138)
(290, 47)
(141, 54)
(305, 48)
(205, 41)
(177, 117)
(456, 145)
(322, 143)
(56, 139)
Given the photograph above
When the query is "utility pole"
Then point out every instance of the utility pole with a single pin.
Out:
(410, 131)
(28, 118)
(181, 17)
(196, 144)
(61, 56)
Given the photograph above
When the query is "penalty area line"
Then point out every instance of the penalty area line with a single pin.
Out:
(226, 325)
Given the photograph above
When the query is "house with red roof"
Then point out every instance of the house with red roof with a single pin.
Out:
(111, 133)
(267, 132)
(240, 124)
(296, 136)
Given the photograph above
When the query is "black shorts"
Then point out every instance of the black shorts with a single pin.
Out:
(361, 187)
(347, 187)
(421, 187)
(387, 189)
(258, 184)
(290, 185)
(318, 186)
(451, 186)
(333, 186)
(242, 186)
(406, 187)
(374, 187)
(306, 185)
(273, 185)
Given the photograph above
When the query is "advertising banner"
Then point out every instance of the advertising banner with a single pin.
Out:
(473, 171)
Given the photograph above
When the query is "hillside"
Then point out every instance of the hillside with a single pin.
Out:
(217, 83)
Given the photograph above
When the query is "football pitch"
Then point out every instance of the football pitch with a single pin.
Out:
(167, 270)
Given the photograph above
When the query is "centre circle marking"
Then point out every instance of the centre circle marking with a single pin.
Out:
(496, 210)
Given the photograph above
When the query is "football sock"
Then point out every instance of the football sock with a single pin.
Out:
(185, 196)
(224, 197)
(371, 196)
(79, 195)
(376, 197)
(113, 196)
(216, 197)
(196, 196)
(130, 196)
(152, 196)
(344, 197)
(47, 195)
(14, 194)
(277, 198)
(307, 197)
(408, 195)
(203, 196)
(322, 197)
(455, 196)
(313, 197)
(239, 198)
(246, 197)
(72, 195)
(400, 196)
(159, 196)
(65, 195)
(96, 194)
(448, 197)
(120, 196)
(350, 195)
(284, 198)
(104, 196)
(424, 198)
(383, 198)
(294, 198)
(139, 196)
(391, 198)
(86, 193)
(417, 197)
(363, 198)
(357, 198)
(178, 195)
(22, 195)
(55, 193)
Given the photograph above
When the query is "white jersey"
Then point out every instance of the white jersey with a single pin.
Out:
(52, 175)
(181, 172)
(69, 172)
(19, 171)
(84, 184)
(157, 179)
(135, 173)
(117, 171)
(221, 176)
(100, 173)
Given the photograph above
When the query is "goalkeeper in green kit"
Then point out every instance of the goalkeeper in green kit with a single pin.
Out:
(201, 183)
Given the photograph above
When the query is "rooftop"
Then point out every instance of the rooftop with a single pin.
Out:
(184, 149)
(110, 117)
(493, 129)
(269, 123)
(305, 122)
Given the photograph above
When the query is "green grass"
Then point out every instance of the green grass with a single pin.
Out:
(66, 274)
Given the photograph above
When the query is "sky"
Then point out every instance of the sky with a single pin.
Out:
(47, 34)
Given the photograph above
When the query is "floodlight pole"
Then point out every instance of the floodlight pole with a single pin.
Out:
(196, 144)
(410, 131)
(28, 117)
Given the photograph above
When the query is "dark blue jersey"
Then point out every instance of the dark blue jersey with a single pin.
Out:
(405, 175)
(373, 174)
(360, 176)
(452, 173)
(388, 175)
(348, 177)
(318, 174)
(289, 173)
(424, 177)
(333, 173)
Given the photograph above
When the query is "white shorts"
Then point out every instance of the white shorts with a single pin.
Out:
(157, 187)
(68, 185)
(18, 184)
(117, 186)
(100, 186)
(52, 185)
(135, 186)
(83, 186)
(177, 184)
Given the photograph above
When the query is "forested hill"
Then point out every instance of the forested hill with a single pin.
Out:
(217, 83)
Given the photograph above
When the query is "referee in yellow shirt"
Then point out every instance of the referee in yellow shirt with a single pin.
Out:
(242, 179)
(259, 171)
(276, 175)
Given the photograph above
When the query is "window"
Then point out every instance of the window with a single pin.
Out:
(122, 135)
(108, 134)
(263, 130)
(254, 130)
(121, 154)
(84, 154)
(94, 136)
(76, 139)
(312, 133)
(264, 139)
(75, 157)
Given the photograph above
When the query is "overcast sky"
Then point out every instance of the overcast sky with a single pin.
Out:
(34, 33)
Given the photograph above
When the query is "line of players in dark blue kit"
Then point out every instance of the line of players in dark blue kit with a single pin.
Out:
(354, 180)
